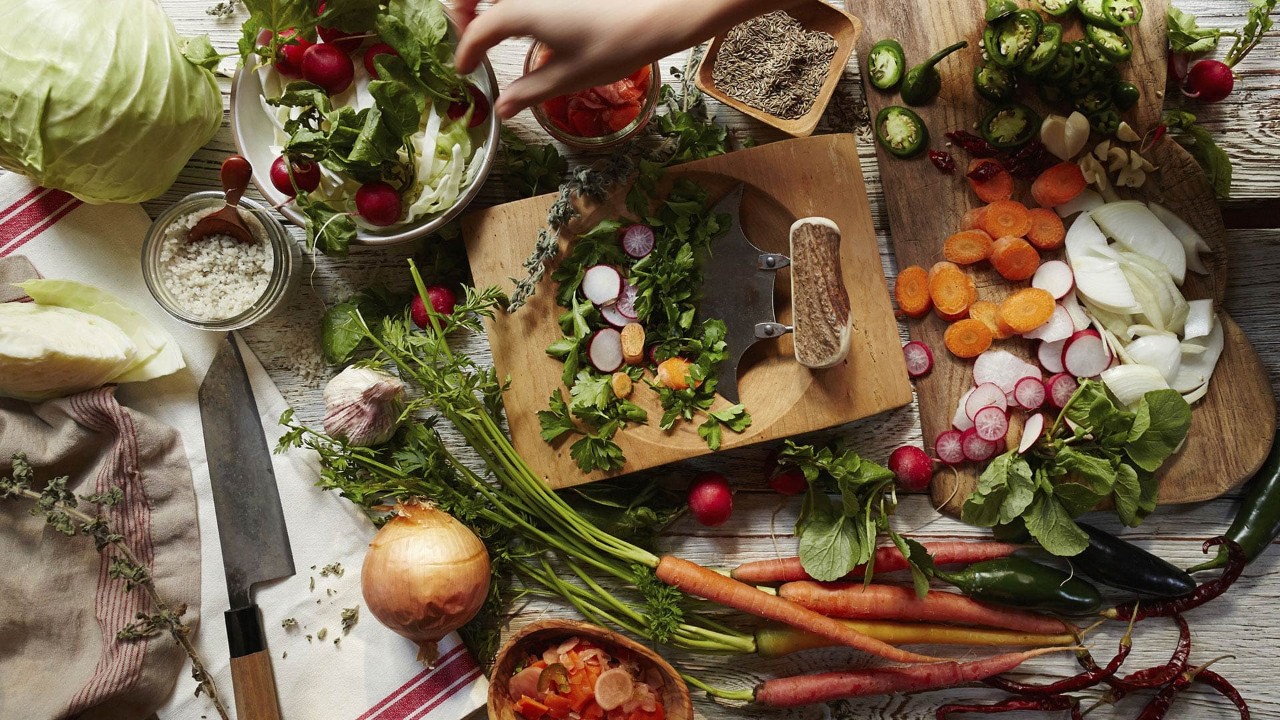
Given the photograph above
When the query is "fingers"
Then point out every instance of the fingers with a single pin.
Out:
(504, 20)
(546, 82)
(463, 12)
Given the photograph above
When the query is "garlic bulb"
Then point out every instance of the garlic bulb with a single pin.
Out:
(363, 406)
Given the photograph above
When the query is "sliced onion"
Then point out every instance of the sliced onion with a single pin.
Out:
(1192, 242)
(1162, 352)
(1134, 226)
(1197, 370)
(1200, 319)
(1130, 382)
(1084, 202)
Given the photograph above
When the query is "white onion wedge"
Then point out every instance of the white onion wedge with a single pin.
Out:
(1084, 202)
(1196, 370)
(1162, 352)
(1134, 226)
(1200, 320)
(1079, 318)
(1192, 242)
(1130, 382)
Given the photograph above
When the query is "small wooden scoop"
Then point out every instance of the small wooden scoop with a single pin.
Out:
(236, 172)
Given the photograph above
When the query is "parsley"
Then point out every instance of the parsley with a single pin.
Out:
(533, 169)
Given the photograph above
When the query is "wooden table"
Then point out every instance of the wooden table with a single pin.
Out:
(1243, 623)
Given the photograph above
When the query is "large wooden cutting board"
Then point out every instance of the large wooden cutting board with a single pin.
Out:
(785, 181)
(1232, 427)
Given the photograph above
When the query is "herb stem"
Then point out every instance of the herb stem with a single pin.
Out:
(739, 695)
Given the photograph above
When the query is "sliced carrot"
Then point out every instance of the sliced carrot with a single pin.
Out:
(912, 292)
(967, 247)
(967, 338)
(592, 711)
(1047, 231)
(1058, 185)
(1006, 218)
(558, 705)
(530, 709)
(951, 290)
(988, 313)
(1027, 309)
(998, 187)
(1014, 258)
(972, 219)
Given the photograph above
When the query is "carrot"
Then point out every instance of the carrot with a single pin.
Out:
(529, 708)
(988, 313)
(1058, 185)
(857, 601)
(774, 640)
(951, 290)
(1014, 258)
(825, 687)
(1006, 218)
(912, 292)
(702, 582)
(673, 373)
(998, 187)
(888, 559)
(967, 247)
(1027, 309)
(972, 219)
(967, 338)
(1047, 231)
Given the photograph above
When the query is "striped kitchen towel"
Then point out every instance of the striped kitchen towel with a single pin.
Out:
(322, 672)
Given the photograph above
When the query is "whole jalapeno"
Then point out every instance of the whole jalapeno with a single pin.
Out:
(1056, 8)
(1092, 11)
(1046, 50)
(1105, 122)
(1010, 41)
(1257, 523)
(1122, 13)
(1019, 582)
(994, 82)
(1010, 126)
(1118, 564)
(885, 64)
(900, 131)
(1111, 42)
(922, 82)
(1125, 95)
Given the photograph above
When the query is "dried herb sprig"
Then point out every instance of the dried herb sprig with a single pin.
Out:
(60, 508)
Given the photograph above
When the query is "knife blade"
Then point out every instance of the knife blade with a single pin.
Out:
(251, 526)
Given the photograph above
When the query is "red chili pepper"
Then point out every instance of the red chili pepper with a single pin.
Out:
(1201, 595)
(985, 171)
(972, 144)
(1154, 135)
(1030, 160)
(1053, 703)
(942, 160)
(1157, 676)
(1226, 689)
(1092, 675)
(1160, 704)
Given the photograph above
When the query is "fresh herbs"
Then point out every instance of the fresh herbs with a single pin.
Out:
(1095, 450)
(1200, 143)
(532, 169)
(341, 334)
(1186, 35)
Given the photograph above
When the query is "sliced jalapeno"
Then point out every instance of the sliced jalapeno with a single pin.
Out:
(885, 64)
(901, 131)
(994, 82)
(997, 9)
(1050, 94)
(1045, 51)
(1010, 126)
(1122, 13)
(1105, 122)
(1125, 95)
(1113, 44)
(554, 678)
(1060, 69)
(1096, 100)
(1056, 8)
(1092, 11)
(1077, 86)
(1009, 41)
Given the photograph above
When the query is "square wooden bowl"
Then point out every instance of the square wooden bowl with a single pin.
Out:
(813, 15)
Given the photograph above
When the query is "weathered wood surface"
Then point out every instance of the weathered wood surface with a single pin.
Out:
(1248, 126)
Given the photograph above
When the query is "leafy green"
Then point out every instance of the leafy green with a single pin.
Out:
(1186, 35)
(1053, 527)
(533, 169)
(342, 327)
(1200, 143)
(1167, 417)
(1257, 23)
(329, 231)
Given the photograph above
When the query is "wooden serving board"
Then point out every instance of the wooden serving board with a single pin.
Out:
(785, 181)
(1233, 425)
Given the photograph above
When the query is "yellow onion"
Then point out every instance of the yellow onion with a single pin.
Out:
(425, 575)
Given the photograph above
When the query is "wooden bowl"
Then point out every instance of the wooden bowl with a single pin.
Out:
(813, 15)
(536, 637)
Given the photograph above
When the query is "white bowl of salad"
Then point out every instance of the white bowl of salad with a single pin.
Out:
(354, 142)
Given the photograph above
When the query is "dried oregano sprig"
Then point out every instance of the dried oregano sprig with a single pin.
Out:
(60, 508)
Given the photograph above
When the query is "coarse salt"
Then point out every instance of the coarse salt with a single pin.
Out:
(218, 277)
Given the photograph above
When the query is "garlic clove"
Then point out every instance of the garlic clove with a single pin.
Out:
(1135, 161)
(362, 406)
(1119, 159)
(1126, 133)
(1053, 133)
(1101, 150)
(1077, 133)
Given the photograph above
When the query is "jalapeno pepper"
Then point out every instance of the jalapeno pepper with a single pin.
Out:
(1056, 8)
(1105, 122)
(1046, 50)
(994, 82)
(885, 64)
(923, 83)
(1122, 13)
(1050, 94)
(1125, 95)
(1019, 582)
(1009, 41)
(1112, 43)
(1257, 523)
(901, 131)
(1009, 126)
(1118, 564)
(997, 9)
(1096, 100)
(553, 678)
(1060, 69)
(1092, 11)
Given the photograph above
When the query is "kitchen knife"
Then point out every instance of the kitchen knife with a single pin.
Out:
(251, 529)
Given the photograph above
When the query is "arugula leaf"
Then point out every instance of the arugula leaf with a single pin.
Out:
(1186, 35)
(1052, 527)
(328, 230)
(556, 422)
(1167, 418)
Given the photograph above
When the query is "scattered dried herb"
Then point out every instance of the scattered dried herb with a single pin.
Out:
(349, 617)
(334, 569)
(289, 623)
(774, 64)
(321, 634)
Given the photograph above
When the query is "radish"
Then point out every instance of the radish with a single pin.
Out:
(1031, 432)
(789, 481)
(949, 448)
(372, 54)
(627, 301)
(605, 350)
(984, 396)
(1029, 393)
(1054, 277)
(912, 467)
(638, 241)
(961, 420)
(290, 62)
(305, 173)
(1002, 368)
(443, 301)
(602, 284)
(1050, 356)
(1060, 388)
(343, 40)
(919, 358)
(328, 67)
(1058, 327)
(458, 110)
(710, 499)
(614, 316)
(975, 448)
(1085, 355)
(1209, 81)
(991, 423)
(378, 203)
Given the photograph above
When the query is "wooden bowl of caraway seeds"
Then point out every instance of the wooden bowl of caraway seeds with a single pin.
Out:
(782, 67)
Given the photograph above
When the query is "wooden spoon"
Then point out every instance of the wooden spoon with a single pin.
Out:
(236, 172)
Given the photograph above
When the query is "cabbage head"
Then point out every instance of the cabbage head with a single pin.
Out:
(98, 98)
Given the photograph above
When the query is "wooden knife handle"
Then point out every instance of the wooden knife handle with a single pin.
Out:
(252, 679)
(820, 301)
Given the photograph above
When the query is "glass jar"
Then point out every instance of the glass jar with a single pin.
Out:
(284, 252)
(648, 104)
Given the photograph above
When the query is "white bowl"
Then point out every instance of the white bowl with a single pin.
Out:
(254, 134)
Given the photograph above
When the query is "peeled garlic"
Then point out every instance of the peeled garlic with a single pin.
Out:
(1101, 150)
(1131, 177)
(1126, 133)
(1077, 133)
(1119, 158)
(362, 406)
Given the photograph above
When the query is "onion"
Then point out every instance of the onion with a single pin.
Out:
(1086, 201)
(1130, 382)
(425, 575)
(1192, 242)
(1134, 226)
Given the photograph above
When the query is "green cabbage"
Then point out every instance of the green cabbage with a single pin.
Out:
(101, 98)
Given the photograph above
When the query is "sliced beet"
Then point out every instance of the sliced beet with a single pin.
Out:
(638, 240)
(605, 350)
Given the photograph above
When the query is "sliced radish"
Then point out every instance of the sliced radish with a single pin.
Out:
(948, 447)
(1029, 394)
(613, 316)
(1058, 327)
(960, 420)
(1054, 277)
(984, 396)
(991, 423)
(1085, 355)
(1031, 432)
(1050, 355)
(1079, 318)
(637, 241)
(975, 448)
(1060, 388)
(627, 301)
(919, 358)
(1002, 368)
(605, 350)
(602, 284)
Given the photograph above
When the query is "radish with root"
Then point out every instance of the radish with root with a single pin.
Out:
(912, 468)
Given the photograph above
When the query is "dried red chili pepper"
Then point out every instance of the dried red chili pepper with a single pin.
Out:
(973, 144)
(1087, 679)
(942, 160)
(1160, 704)
(1153, 136)
(1201, 595)
(1053, 703)
(1030, 160)
(1157, 676)
(1226, 690)
(985, 171)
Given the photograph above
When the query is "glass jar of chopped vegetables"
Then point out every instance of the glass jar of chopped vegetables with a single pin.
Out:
(601, 116)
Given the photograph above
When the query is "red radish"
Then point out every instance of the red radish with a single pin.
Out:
(1031, 432)
(613, 316)
(481, 103)
(1029, 393)
(627, 301)
(1050, 355)
(613, 688)
(984, 396)
(919, 358)
(991, 424)
(1058, 327)
(888, 559)
(343, 40)
(789, 481)
(949, 448)
(975, 448)
(443, 300)
(372, 54)
(1079, 318)
(328, 67)
(305, 173)
(961, 419)
(638, 240)
(604, 350)
(710, 499)
(602, 284)
(1209, 81)
(1176, 66)
(524, 682)
(378, 203)
(912, 467)
(1085, 355)
(1002, 368)
(1060, 388)
(1054, 277)
(290, 62)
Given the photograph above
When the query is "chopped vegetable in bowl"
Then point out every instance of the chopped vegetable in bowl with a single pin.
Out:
(578, 676)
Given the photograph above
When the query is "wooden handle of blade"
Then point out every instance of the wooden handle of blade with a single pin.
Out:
(820, 302)
(254, 685)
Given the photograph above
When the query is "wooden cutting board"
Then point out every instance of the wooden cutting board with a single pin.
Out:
(1233, 425)
(785, 181)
